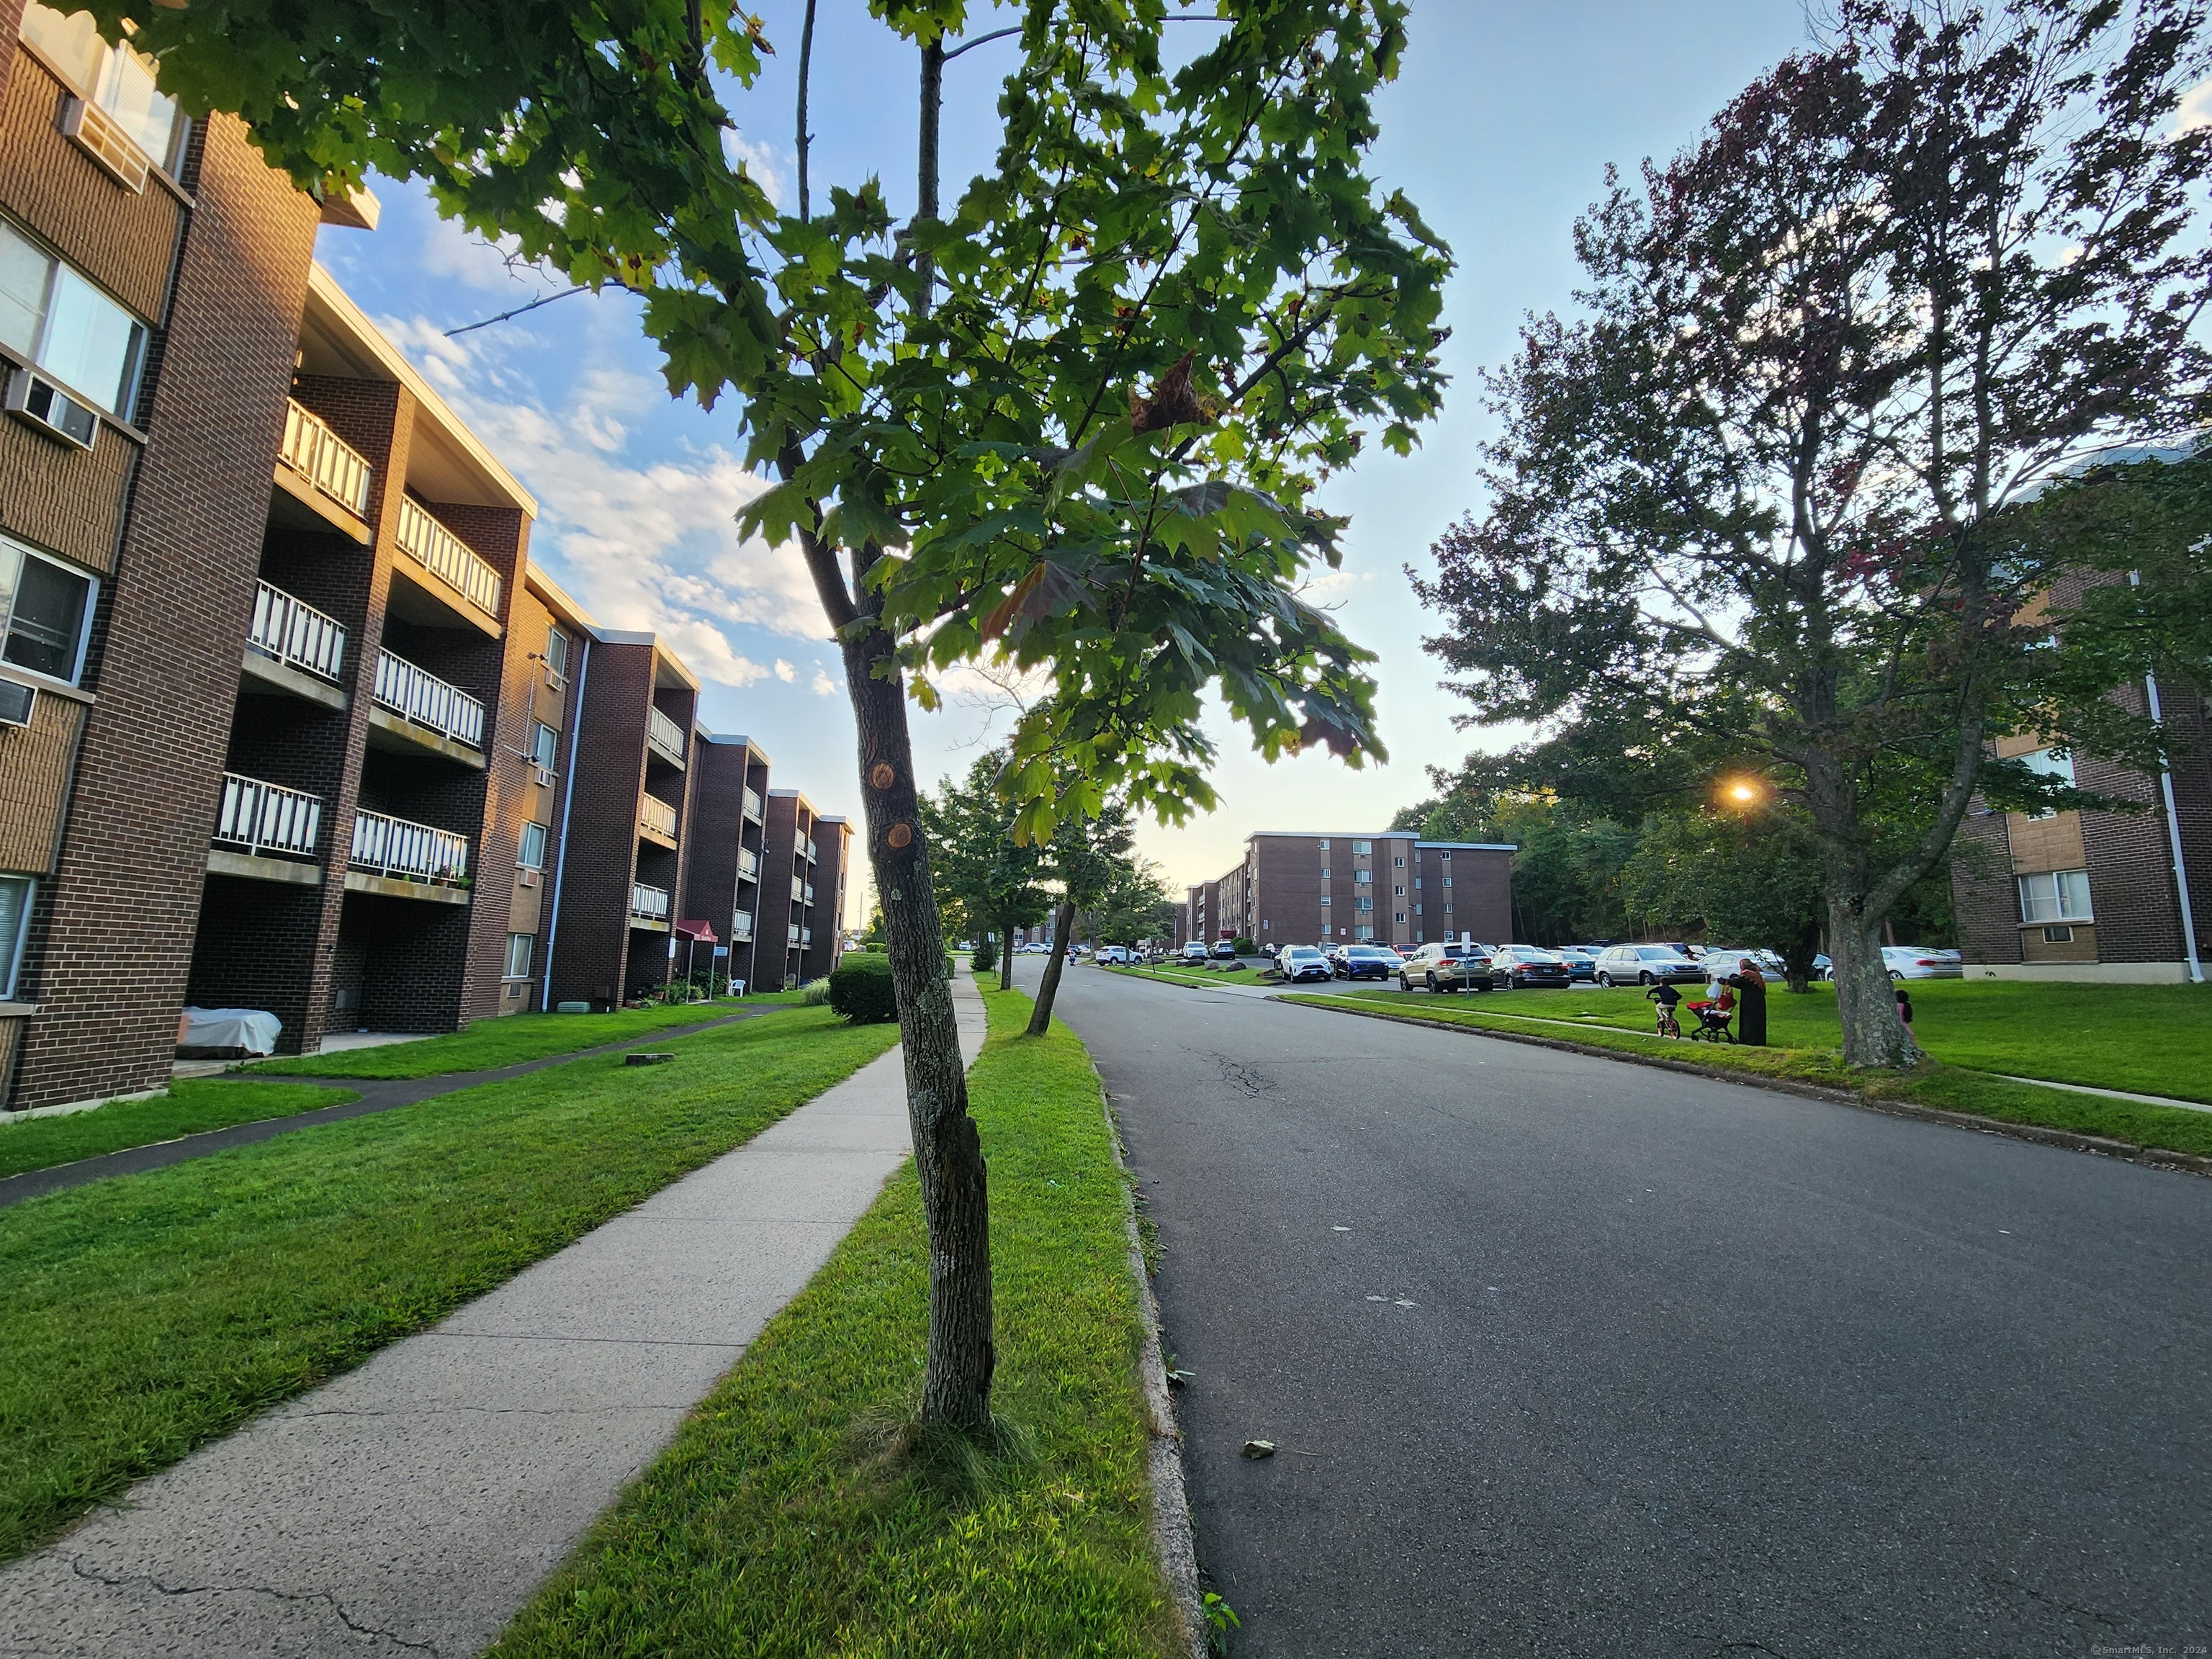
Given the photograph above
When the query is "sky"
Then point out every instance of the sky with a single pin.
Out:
(1500, 128)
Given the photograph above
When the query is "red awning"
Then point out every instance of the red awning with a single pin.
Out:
(702, 930)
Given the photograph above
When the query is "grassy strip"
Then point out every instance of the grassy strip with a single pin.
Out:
(192, 1106)
(1949, 1088)
(488, 1044)
(778, 1525)
(2149, 1039)
(1195, 976)
(142, 1316)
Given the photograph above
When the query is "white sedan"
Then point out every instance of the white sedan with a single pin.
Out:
(1911, 961)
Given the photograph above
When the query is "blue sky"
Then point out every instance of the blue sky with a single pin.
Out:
(1500, 129)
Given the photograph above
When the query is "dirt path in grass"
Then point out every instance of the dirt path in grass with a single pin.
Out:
(414, 1504)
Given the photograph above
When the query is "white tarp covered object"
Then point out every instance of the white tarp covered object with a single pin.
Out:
(247, 1029)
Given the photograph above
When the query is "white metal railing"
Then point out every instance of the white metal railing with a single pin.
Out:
(294, 631)
(752, 806)
(262, 818)
(794, 940)
(399, 846)
(326, 460)
(810, 892)
(664, 735)
(748, 864)
(426, 700)
(651, 902)
(798, 888)
(444, 554)
(656, 814)
(806, 936)
(741, 930)
(810, 850)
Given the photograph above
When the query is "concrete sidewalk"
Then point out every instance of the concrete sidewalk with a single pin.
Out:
(413, 1505)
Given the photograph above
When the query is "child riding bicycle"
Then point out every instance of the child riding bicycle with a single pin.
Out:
(1666, 997)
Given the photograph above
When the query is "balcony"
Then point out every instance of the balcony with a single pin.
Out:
(793, 937)
(261, 828)
(648, 907)
(294, 649)
(430, 713)
(809, 851)
(663, 737)
(810, 892)
(656, 820)
(741, 930)
(748, 864)
(797, 889)
(444, 554)
(329, 465)
(805, 938)
(752, 806)
(402, 858)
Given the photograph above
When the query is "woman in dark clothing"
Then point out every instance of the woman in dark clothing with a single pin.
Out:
(1751, 1003)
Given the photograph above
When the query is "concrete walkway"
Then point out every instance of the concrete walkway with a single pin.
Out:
(413, 1505)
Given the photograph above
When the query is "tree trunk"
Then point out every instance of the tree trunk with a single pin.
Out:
(1866, 1002)
(1006, 958)
(948, 1154)
(1063, 929)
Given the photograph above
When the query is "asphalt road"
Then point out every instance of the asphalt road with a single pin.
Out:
(1568, 1356)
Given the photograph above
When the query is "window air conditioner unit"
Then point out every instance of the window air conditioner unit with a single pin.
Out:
(543, 774)
(100, 135)
(16, 702)
(529, 878)
(40, 402)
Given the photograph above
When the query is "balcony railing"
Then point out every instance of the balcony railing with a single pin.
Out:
(649, 903)
(753, 805)
(793, 937)
(809, 851)
(805, 936)
(294, 632)
(263, 818)
(326, 460)
(428, 700)
(399, 846)
(797, 889)
(664, 735)
(656, 814)
(810, 892)
(748, 864)
(443, 554)
(741, 930)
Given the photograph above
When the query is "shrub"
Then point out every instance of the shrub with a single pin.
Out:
(986, 958)
(861, 990)
(815, 995)
(1244, 947)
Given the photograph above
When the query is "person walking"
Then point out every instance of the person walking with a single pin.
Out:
(1751, 1003)
(1905, 1011)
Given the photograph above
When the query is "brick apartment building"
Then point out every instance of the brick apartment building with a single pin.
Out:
(722, 878)
(785, 951)
(288, 719)
(2096, 895)
(1393, 889)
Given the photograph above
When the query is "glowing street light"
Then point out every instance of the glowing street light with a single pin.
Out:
(1742, 791)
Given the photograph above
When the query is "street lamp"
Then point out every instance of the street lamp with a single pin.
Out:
(1742, 791)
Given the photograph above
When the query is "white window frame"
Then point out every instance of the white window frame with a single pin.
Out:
(557, 675)
(125, 392)
(535, 727)
(1361, 849)
(522, 858)
(102, 95)
(2055, 897)
(1446, 881)
(529, 942)
(1324, 900)
(11, 968)
(39, 676)
(1362, 877)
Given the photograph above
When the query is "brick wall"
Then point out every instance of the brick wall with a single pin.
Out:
(113, 928)
(591, 954)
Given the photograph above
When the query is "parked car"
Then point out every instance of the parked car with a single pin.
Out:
(1299, 963)
(1447, 967)
(1647, 964)
(1118, 954)
(1580, 964)
(1525, 967)
(1224, 950)
(1364, 962)
(1911, 961)
(1193, 951)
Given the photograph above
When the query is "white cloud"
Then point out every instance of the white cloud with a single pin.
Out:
(821, 685)
(785, 671)
(2196, 108)
(644, 544)
(766, 162)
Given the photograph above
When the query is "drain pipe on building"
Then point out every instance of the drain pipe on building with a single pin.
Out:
(568, 800)
(2173, 832)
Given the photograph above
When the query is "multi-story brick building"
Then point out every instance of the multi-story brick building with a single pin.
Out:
(2094, 895)
(809, 925)
(825, 927)
(1392, 887)
(728, 837)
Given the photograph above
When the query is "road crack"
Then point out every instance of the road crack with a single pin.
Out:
(129, 1580)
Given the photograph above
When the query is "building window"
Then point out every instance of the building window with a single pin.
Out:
(531, 855)
(2044, 764)
(1400, 915)
(15, 922)
(556, 659)
(1360, 849)
(1361, 878)
(1399, 891)
(1417, 909)
(1323, 845)
(1446, 881)
(1447, 909)
(1446, 857)
(1324, 873)
(1363, 904)
(1324, 900)
(517, 955)
(1401, 863)
(2061, 935)
(1363, 932)
(58, 320)
(1417, 884)
(2055, 895)
(118, 79)
(544, 744)
(47, 606)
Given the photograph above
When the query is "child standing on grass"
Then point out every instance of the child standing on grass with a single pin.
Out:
(1905, 1009)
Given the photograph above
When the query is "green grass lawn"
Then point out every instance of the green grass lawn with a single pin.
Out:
(488, 1044)
(1951, 1088)
(191, 1106)
(142, 1316)
(2149, 1039)
(773, 1527)
(1195, 976)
